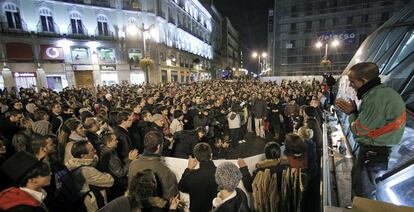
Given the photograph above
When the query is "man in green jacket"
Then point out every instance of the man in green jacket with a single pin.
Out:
(377, 125)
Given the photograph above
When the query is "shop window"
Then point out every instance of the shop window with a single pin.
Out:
(103, 25)
(106, 55)
(56, 82)
(134, 55)
(174, 76)
(137, 78)
(12, 16)
(80, 54)
(164, 77)
(109, 78)
(46, 20)
(25, 79)
(76, 23)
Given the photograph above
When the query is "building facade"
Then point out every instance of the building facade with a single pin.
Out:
(231, 47)
(226, 43)
(87, 43)
(296, 27)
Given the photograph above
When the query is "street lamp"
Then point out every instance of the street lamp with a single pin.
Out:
(334, 43)
(259, 56)
(133, 29)
(325, 61)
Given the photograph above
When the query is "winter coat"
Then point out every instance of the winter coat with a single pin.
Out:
(123, 204)
(68, 149)
(22, 140)
(110, 162)
(184, 143)
(234, 121)
(87, 176)
(124, 142)
(94, 139)
(200, 184)
(176, 126)
(15, 199)
(166, 178)
(380, 106)
(8, 129)
(56, 121)
(291, 109)
(259, 108)
(235, 204)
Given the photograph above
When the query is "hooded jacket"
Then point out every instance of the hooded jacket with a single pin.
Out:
(15, 199)
(87, 176)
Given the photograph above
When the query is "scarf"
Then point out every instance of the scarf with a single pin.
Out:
(367, 86)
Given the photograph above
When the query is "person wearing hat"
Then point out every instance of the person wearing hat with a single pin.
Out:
(229, 198)
(30, 176)
(31, 108)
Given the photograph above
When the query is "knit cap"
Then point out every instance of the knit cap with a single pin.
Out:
(228, 176)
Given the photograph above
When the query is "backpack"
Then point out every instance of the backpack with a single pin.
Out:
(68, 192)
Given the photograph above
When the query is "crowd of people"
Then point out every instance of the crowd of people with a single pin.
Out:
(88, 150)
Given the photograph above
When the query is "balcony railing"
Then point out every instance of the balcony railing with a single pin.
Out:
(161, 14)
(99, 3)
(21, 29)
(79, 32)
(131, 5)
(49, 31)
(104, 34)
(73, 1)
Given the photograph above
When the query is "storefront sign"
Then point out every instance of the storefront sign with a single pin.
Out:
(82, 67)
(108, 67)
(19, 51)
(80, 54)
(344, 36)
(24, 74)
(49, 52)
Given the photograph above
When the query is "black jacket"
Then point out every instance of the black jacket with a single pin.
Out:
(94, 139)
(235, 204)
(56, 121)
(184, 143)
(124, 142)
(200, 184)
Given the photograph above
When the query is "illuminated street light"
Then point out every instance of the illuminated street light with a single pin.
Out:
(318, 44)
(335, 43)
(260, 57)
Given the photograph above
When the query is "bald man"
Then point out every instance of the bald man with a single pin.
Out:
(377, 125)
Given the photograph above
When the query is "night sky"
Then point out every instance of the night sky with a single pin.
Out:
(249, 17)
